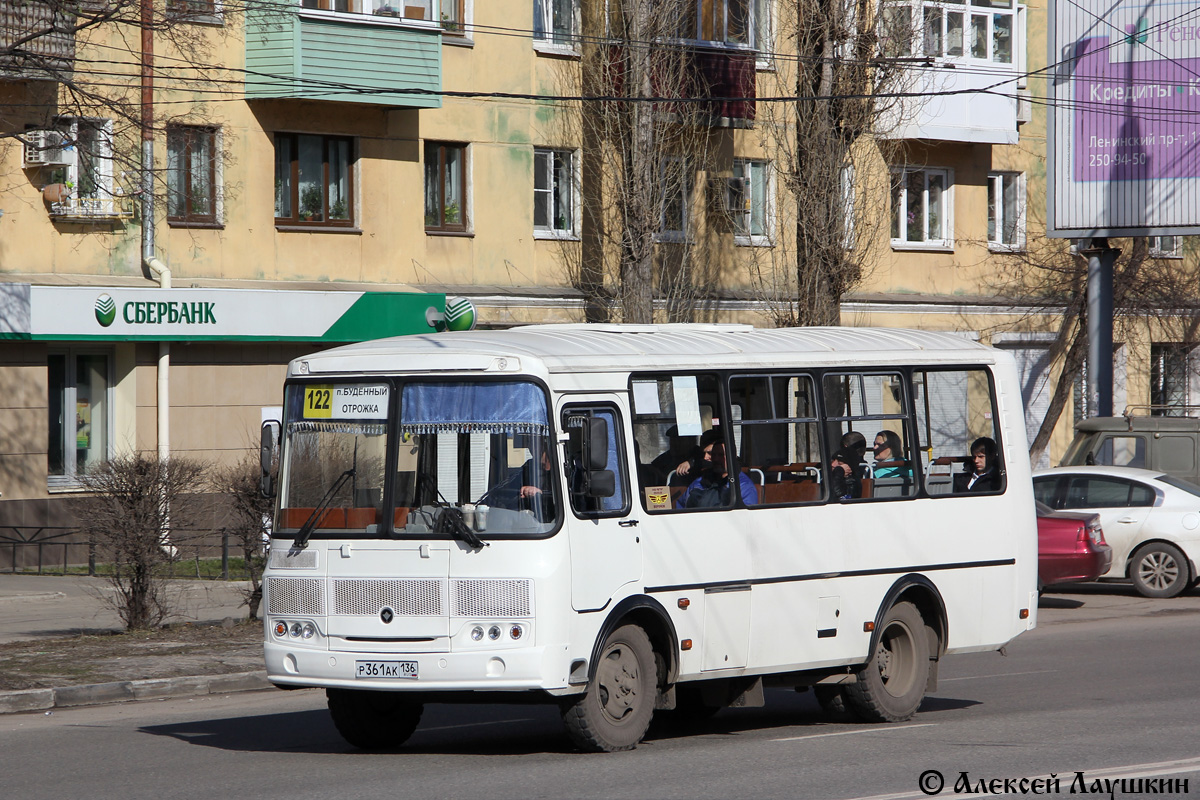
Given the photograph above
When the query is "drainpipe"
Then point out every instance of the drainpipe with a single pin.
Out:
(160, 271)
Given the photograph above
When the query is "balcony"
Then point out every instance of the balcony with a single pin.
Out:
(967, 64)
(92, 209)
(687, 71)
(37, 41)
(347, 51)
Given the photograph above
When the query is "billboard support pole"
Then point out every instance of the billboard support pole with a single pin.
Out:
(1101, 260)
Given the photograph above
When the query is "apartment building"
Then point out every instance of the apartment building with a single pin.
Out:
(331, 170)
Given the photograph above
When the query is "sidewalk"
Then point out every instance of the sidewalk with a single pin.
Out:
(37, 608)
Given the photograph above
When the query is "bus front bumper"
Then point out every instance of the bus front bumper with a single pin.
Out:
(515, 669)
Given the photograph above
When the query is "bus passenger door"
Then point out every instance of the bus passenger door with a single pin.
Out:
(604, 538)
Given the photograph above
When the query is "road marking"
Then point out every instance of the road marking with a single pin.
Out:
(997, 675)
(854, 733)
(1065, 778)
(477, 724)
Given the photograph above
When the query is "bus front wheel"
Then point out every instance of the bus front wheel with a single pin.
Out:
(373, 720)
(891, 686)
(615, 711)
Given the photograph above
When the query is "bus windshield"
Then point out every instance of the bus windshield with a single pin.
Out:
(483, 448)
(335, 448)
(465, 454)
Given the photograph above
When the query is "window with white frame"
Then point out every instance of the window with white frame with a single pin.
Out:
(1006, 211)
(410, 10)
(1166, 246)
(86, 166)
(730, 22)
(676, 197)
(79, 403)
(983, 30)
(749, 201)
(921, 202)
(553, 192)
(555, 22)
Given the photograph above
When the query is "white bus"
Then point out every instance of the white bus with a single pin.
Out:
(501, 516)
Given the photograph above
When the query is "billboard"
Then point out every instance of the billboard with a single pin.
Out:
(1124, 118)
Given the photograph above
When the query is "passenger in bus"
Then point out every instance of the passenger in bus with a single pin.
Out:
(681, 458)
(714, 487)
(844, 480)
(855, 444)
(855, 441)
(982, 472)
(887, 449)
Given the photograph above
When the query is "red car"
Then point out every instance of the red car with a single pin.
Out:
(1071, 547)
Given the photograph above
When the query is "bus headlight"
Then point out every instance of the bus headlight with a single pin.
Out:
(308, 631)
(296, 630)
(477, 633)
(494, 632)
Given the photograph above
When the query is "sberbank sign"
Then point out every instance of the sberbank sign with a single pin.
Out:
(80, 313)
(141, 312)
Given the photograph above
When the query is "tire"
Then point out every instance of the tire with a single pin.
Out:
(373, 720)
(1159, 569)
(615, 711)
(835, 702)
(891, 686)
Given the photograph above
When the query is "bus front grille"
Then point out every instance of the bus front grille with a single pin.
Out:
(295, 596)
(408, 597)
(491, 598)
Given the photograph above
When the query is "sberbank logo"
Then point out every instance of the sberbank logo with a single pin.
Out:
(460, 314)
(154, 312)
(106, 310)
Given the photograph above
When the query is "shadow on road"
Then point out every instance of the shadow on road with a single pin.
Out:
(497, 730)
(1047, 601)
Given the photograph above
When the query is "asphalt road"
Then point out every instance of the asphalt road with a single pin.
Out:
(1107, 685)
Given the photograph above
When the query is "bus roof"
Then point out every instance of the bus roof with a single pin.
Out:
(606, 348)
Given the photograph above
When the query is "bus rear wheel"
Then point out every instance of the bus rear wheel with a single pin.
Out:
(615, 711)
(373, 720)
(891, 686)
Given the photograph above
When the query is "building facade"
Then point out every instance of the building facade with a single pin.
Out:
(330, 171)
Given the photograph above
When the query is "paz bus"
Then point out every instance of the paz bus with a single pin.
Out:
(491, 516)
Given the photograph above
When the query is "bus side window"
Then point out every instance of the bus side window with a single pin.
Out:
(670, 413)
(867, 417)
(583, 503)
(956, 412)
(777, 437)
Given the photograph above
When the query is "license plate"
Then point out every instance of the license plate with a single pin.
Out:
(385, 669)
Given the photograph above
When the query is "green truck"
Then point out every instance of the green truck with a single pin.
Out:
(1167, 444)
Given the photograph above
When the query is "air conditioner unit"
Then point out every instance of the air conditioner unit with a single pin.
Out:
(47, 148)
(1024, 106)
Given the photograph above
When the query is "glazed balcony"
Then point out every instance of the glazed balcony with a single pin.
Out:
(350, 51)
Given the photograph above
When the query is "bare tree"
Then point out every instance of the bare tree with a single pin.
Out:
(247, 520)
(848, 71)
(1148, 293)
(133, 503)
(650, 135)
(80, 64)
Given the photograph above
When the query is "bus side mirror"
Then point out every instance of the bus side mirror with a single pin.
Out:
(595, 445)
(599, 483)
(267, 449)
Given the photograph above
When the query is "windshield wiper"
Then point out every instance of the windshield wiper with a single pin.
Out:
(302, 535)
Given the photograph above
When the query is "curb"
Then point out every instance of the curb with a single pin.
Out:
(126, 691)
